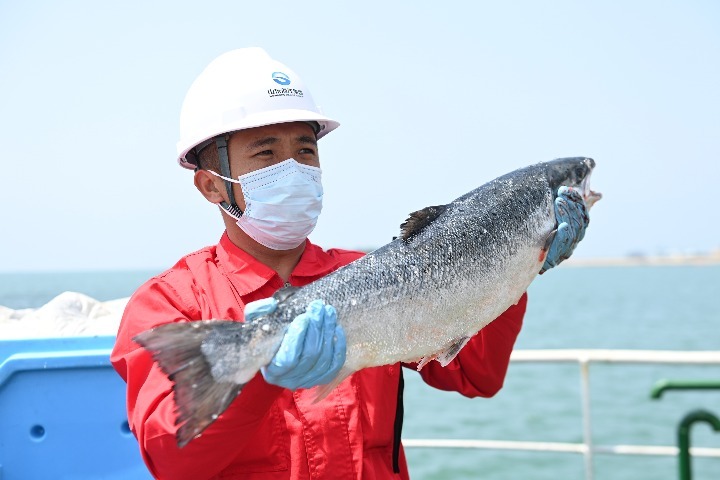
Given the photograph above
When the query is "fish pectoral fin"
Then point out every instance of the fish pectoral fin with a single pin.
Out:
(417, 221)
(546, 247)
(548, 241)
(447, 355)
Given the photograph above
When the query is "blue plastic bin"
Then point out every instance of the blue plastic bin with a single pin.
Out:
(62, 412)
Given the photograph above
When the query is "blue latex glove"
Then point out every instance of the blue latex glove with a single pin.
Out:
(572, 218)
(312, 350)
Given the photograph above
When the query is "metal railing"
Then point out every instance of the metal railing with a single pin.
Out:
(587, 447)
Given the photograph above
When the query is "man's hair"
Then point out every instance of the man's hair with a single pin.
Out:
(208, 159)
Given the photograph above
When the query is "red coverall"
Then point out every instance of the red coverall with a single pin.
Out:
(269, 432)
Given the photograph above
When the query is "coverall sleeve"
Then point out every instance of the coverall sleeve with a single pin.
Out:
(479, 369)
(150, 404)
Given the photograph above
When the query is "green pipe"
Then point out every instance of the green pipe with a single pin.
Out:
(683, 431)
(683, 434)
(663, 385)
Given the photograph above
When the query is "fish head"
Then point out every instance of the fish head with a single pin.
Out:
(573, 172)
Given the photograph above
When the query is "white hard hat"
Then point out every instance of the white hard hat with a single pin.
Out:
(240, 89)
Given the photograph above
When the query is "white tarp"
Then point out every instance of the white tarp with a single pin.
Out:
(70, 314)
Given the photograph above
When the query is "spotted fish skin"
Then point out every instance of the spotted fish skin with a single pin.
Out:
(453, 270)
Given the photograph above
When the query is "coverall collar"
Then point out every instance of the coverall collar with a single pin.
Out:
(248, 274)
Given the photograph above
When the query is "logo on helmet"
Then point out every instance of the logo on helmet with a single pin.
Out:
(280, 78)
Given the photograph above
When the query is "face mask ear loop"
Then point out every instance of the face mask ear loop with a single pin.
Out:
(232, 207)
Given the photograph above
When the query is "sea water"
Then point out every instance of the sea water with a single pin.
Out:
(653, 307)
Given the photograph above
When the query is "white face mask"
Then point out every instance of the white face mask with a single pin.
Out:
(282, 203)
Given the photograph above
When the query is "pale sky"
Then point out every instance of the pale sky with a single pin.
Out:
(434, 98)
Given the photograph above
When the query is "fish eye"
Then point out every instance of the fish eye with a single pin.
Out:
(579, 172)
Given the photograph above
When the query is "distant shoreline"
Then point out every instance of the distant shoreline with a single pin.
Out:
(660, 261)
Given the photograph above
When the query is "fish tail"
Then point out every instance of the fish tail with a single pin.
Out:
(199, 397)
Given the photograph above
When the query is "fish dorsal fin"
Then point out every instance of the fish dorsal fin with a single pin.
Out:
(417, 221)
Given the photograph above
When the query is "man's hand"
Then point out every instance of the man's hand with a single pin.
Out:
(572, 218)
(312, 350)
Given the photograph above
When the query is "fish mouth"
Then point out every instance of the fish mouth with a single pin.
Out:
(589, 195)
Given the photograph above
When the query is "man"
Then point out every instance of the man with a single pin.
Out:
(249, 129)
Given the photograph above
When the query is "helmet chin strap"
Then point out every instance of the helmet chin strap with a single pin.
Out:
(232, 207)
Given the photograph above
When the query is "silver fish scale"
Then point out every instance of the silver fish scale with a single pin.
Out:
(414, 298)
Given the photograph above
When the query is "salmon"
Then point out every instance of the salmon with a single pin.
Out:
(453, 269)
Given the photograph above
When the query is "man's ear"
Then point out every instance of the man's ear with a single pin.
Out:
(209, 185)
